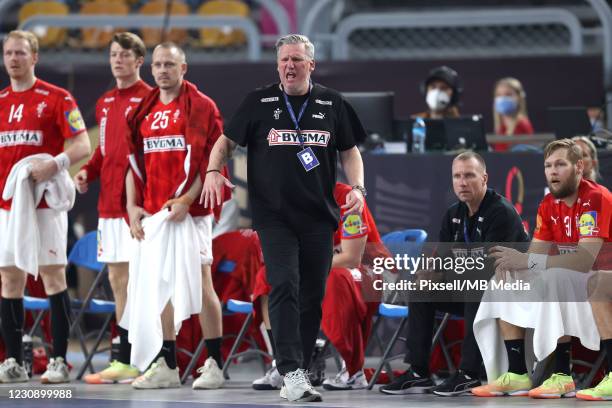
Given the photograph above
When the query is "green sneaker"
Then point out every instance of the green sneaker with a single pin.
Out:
(602, 392)
(557, 386)
(116, 372)
(507, 384)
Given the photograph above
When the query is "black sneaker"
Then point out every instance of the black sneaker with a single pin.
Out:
(457, 384)
(408, 383)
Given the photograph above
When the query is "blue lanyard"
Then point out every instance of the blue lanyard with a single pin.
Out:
(296, 121)
(466, 236)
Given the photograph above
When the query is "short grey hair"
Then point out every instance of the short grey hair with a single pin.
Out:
(297, 39)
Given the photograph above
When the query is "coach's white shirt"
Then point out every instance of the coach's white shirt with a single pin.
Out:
(23, 232)
(165, 266)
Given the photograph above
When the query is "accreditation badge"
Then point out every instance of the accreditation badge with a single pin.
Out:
(308, 159)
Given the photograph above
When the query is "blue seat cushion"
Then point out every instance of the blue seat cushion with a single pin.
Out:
(239, 306)
(394, 311)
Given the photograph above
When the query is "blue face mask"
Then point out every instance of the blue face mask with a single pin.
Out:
(506, 105)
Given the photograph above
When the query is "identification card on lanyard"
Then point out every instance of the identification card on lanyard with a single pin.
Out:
(306, 156)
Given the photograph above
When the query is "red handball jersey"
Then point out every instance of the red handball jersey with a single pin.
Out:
(354, 225)
(35, 121)
(589, 217)
(166, 156)
(109, 161)
(357, 226)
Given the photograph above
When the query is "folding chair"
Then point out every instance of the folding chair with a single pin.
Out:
(225, 266)
(84, 254)
(237, 259)
(242, 307)
(409, 242)
(594, 367)
(38, 307)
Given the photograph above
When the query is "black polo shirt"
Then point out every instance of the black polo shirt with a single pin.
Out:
(280, 189)
(495, 221)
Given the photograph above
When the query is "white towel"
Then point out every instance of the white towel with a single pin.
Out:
(23, 232)
(164, 267)
(548, 319)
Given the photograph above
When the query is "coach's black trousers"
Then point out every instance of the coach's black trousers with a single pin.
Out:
(421, 317)
(297, 265)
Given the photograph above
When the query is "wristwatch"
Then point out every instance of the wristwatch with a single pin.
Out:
(361, 189)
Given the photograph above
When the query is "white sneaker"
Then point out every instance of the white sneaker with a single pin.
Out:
(297, 387)
(159, 375)
(11, 372)
(57, 372)
(211, 376)
(271, 381)
(342, 381)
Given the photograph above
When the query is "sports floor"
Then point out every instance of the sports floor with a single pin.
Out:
(239, 394)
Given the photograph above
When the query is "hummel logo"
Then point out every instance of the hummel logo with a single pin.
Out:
(277, 113)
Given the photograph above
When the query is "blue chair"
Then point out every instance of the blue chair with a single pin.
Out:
(232, 306)
(84, 254)
(225, 266)
(409, 242)
(38, 307)
(246, 308)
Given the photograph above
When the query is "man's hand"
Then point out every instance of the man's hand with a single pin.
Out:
(212, 192)
(354, 202)
(80, 181)
(179, 208)
(43, 170)
(136, 214)
(508, 259)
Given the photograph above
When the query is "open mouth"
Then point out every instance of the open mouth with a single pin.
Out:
(290, 75)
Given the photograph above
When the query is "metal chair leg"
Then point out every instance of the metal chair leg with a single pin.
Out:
(236, 344)
(387, 352)
(89, 355)
(194, 360)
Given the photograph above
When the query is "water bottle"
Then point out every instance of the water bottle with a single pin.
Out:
(418, 136)
(28, 354)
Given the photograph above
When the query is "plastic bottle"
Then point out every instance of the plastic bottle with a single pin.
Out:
(418, 136)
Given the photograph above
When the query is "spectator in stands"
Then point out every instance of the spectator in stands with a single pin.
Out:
(510, 111)
(442, 89)
(589, 157)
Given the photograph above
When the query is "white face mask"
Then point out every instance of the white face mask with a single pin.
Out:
(437, 100)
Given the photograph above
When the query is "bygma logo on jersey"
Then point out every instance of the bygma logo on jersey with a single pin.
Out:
(290, 137)
(164, 144)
